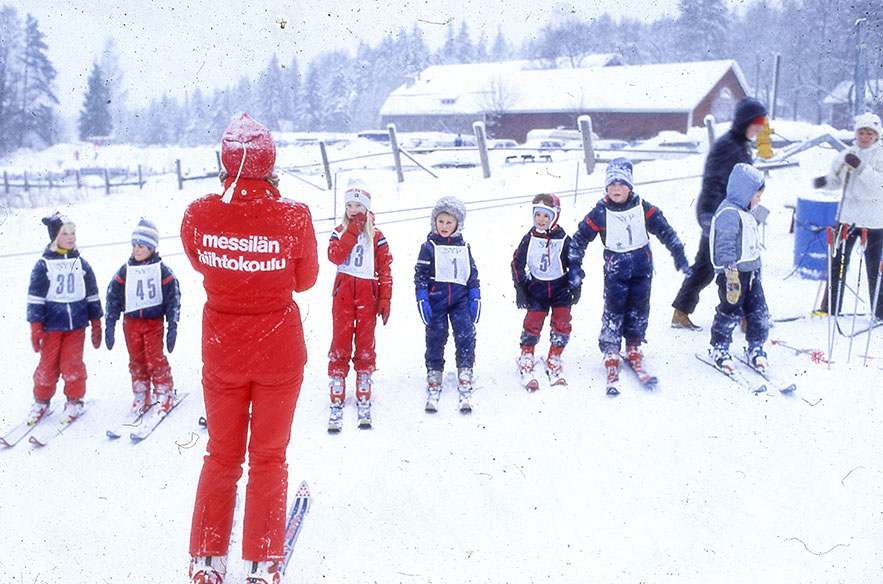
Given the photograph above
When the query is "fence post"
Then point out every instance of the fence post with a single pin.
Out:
(27, 186)
(106, 182)
(709, 125)
(585, 129)
(481, 141)
(79, 179)
(178, 170)
(218, 157)
(5, 181)
(140, 180)
(326, 164)
(396, 155)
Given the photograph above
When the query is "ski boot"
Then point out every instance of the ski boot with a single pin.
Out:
(338, 394)
(264, 573)
(720, 355)
(165, 399)
(464, 376)
(553, 367)
(433, 389)
(38, 410)
(73, 409)
(611, 364)
(636, 361)
(525, 367)
(364, 385)
(140, 404)
(208, 570)
(756, 357)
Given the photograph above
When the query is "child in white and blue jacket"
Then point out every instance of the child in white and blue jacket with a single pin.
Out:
(447, 288)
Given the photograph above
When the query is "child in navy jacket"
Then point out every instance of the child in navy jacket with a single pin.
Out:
(447, 287)
(62, 299)
(146, 291)
(539, 271)
(624, 222)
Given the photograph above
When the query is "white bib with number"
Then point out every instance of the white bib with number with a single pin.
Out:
(66, 283)
(750, 244)
(626, 230)
(544, 258)
(452, 263)
(143, 286)
(360, 262)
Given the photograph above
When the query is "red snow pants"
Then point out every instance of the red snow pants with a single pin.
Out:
(61, 355)
(147, 362)
(252, 374)
(534, 319)
(354, 318)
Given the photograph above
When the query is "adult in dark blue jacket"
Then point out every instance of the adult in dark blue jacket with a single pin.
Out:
(624, 222)
(728, 151)
(447, 287)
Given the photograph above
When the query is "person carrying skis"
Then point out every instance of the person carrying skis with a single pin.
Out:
(727, 151)
(62, 300)
(539, 271)
(734, 238)
(253, 248)
(145, 291)
(624, 222)
(362, 292)
(447, 288)
(860, 169)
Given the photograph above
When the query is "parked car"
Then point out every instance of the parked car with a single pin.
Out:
(503, 143)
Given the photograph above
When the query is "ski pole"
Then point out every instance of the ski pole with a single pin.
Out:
(858, 287)
(873, 315)
(830, 232)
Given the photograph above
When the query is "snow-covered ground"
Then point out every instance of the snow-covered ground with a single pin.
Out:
(699, 481)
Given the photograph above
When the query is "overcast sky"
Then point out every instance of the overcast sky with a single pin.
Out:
(179, 45)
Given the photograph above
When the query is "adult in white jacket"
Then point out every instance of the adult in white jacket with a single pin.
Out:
(861, 166)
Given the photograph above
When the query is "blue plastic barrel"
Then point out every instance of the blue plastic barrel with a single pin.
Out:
(814, 213)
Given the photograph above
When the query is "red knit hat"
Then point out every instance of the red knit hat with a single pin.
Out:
(248, 138)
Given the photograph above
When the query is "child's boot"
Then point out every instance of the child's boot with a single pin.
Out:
(553, 366)
(264, 573)
(364, 385)
(165, 398)
(73, 409)
(720, 355)
(526, 369)
(757, 358)
(140, 403)
(611, 364)
(433, 389)
(338, 395)
(636, 361)
(464, 376)
(38, 410)
(208, 570)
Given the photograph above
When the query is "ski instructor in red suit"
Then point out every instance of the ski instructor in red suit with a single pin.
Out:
(253, 249)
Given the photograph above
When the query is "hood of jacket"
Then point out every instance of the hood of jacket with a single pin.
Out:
(745, 180)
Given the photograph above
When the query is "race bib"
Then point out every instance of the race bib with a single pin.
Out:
(626, 230)
(544, 258)
(452, 264)
(143, 286)
(66, 283)
(360, 262)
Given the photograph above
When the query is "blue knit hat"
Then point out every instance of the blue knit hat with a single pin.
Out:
(146, 234)
(620, 170)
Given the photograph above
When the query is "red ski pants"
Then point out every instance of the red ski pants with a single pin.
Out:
(232, 406)
(147, 362)
(61, 355)
(354, 318)
(560, 322)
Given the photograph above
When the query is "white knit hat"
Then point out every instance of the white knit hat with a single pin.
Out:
(869, 121)
(358, 191)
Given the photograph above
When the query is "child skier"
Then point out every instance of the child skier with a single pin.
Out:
(539, 270)
(146, 291)
(624, 222)
(735, 255)
(62, 299)
(362, 292)
(447, 287)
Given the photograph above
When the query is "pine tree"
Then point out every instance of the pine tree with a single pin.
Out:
(37, 95)
(272, 102)
(10, 47)
(95, 117)
(293, 96)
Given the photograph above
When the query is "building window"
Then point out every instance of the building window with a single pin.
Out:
(448, 100)
(723, 106)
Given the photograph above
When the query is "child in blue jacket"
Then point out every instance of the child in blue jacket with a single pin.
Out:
(447, 288)
(146, 291)
(625, 222)
(62, 300)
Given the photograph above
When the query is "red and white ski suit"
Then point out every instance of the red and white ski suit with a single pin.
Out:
(252, 253)
(363, 279)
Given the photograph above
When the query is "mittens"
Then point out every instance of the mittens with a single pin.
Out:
(423, 306)
(734, 286)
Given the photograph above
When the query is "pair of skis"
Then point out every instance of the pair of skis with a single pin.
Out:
(42, 431)
(529, 378)
(140, 425)
(739, 376)
(649, 382)
(335, 419)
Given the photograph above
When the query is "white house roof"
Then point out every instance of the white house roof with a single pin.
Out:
(510, 87)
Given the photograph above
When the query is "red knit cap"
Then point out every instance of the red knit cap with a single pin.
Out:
(247, 136)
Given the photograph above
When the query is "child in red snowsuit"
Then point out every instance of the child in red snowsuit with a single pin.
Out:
(146, 291)
(362, 292)
(253, 249)
(62, 299)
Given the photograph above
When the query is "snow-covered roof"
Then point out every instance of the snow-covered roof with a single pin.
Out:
(510, 87)
(843, 92)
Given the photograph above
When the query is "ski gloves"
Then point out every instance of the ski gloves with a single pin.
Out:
(96, 333)
(37, 336)
(109, 327)
(383, 309)
(425, 309)
(852, 160)
(734, 286)
(172, 336)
